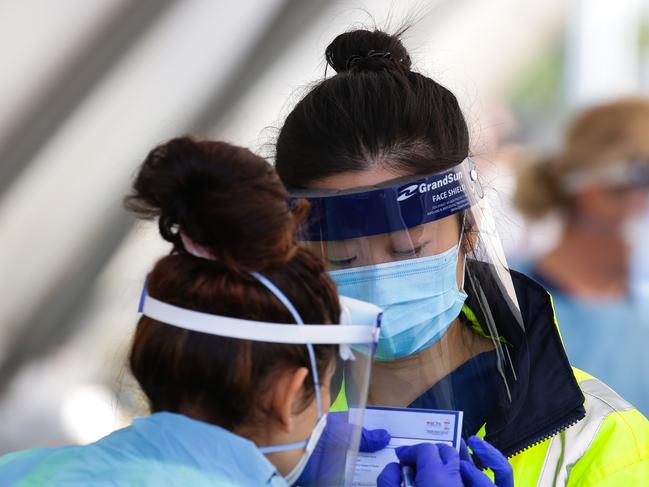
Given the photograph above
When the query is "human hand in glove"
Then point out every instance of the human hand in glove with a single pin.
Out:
(327, 460)
(435, 465)
(491, 458)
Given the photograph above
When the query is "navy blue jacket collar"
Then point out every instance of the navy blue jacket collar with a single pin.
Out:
(545, 396)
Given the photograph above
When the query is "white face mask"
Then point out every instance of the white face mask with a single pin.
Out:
(636, 234)
(635, 229)
(309, 447)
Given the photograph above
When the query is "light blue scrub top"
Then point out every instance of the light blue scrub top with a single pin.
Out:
(608, 338)
(158, 450)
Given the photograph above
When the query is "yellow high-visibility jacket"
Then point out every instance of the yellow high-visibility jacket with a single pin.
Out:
(608, 447)
(563, 427)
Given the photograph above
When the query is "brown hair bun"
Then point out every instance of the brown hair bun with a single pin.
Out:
(537, 190)
(224, 198)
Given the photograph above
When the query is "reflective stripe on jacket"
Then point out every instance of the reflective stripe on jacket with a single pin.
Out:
(608, 447)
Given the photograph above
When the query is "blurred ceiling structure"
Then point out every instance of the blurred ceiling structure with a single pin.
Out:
(102, 83)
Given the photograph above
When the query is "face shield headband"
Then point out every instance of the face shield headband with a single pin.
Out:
(365, 318)
(343, 215)
(618, 174)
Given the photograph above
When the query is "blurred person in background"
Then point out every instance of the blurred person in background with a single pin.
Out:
(397, 210)
(598, 185)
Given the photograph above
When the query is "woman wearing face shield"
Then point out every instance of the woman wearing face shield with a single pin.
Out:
(236, 345)
(599, 186)
(397, 210)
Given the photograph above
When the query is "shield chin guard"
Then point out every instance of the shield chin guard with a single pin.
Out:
(426, 250)
(358, 329)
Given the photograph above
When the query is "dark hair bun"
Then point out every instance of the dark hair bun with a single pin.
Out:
(366, 50)
(223, 197)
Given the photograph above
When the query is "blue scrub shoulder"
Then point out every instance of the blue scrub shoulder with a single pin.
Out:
(161, 449)
(605, 337)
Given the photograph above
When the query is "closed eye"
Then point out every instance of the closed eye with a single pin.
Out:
(410, 252)
(342, 262)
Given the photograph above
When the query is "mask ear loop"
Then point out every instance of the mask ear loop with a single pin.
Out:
(459, 248)
(298, 319)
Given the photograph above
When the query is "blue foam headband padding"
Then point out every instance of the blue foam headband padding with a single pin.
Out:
(390, 209)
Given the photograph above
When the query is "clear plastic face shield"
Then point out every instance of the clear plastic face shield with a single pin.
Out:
(621, 175)
(356, 335)
(426, 250)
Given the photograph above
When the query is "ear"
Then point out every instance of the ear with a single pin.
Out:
(287, 396)
(469, 241)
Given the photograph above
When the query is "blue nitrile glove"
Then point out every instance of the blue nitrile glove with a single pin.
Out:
(490, 458)
(328, 456)
(436, 465)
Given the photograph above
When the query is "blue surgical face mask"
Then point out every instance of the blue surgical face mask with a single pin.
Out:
(420, 298)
